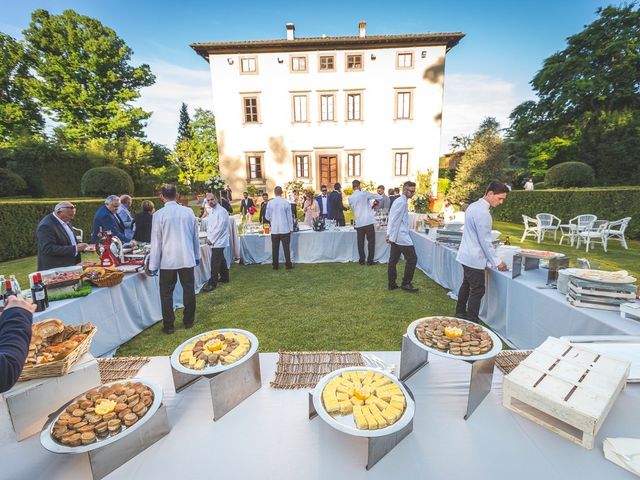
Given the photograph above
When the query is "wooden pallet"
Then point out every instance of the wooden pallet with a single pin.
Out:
(567, 389)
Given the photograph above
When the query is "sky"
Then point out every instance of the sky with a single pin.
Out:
(487, 74)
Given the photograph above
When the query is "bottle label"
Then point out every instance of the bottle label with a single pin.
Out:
(40, 295)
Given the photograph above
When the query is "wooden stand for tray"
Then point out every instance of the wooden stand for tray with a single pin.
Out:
(377, 447)
(567, 389)
(228, 388)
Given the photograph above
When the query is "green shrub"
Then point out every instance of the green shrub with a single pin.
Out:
(11, 183)
(19, 219)
(420, 204)
(444, 184)
(606, 203)
(540, 186)
(570, 174)
(103, 181)
(347, 191)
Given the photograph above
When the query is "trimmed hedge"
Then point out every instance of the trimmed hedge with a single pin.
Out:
(19, 219)
(106, 180)
(570, 174)
(606, 203)
(11, 183)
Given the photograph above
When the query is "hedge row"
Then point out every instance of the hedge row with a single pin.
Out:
(606, 203)
(19, 219)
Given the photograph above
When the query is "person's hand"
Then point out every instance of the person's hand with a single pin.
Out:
(387, 239)
(82, 247)
(197, 262)
(209, 242)
(502, 267)
(15, 302)
(133, 243)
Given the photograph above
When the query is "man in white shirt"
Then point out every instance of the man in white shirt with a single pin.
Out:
(218, 240)
(529, 185)
(360, 203)
(175, 252)
(400, 240)
(476, 251)
(279, 216)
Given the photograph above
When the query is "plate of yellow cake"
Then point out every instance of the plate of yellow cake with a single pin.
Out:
(214, 351)
(362, 401)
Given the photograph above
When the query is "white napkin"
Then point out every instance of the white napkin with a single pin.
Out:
(624, 452)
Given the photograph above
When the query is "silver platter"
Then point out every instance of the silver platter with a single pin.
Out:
(497, 343)
(345, 423)
(175, 356)
(48, 442)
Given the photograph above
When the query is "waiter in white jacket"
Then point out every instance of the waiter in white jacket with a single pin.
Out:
(218, 240)
(361, 205)
(400, 240)
(175, 251)
(476, 251)
(279, 215)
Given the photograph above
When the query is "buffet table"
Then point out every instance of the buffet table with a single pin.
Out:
(123, 311)
(269, 436)
(520, 312)
(312, 247)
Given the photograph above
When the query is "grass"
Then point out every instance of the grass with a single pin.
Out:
(328, 306)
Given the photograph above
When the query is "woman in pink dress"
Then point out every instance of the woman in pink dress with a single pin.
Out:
(310, 208)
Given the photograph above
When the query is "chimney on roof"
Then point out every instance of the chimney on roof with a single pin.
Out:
(291, 31)
(363, 29)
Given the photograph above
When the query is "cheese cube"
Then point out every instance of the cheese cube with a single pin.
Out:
(345, 407)
(361, 421)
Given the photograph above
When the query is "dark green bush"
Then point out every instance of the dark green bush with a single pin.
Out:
(11, 183)
(570, 174)
(541, 186)
(103, 181)
(19, 219)
(606, 203)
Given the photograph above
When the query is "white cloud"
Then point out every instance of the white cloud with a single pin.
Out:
(469, 98)
(174, 85)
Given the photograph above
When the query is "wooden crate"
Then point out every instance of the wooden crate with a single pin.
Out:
(566, 389)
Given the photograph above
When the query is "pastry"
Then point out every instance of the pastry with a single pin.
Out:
(214, 348)
(454, 336)
(130, 419)
(87, 438)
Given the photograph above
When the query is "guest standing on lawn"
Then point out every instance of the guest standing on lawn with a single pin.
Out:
(125, 216)
(106, 218)
(310, 208)
(384, 204)
(263, 208)
(246, 203)
(323, 202)
(57, 244)
(143, 222)
(218, 240)
(361, 204)
(279, 215)
(400, 240)
(476, 251)
(175, 252)
(336, 207)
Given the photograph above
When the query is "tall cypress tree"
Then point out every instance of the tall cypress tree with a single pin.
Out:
(184, 126)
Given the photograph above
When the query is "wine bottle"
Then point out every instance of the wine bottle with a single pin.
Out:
(8, 290)
(38, 294)
(46, 289)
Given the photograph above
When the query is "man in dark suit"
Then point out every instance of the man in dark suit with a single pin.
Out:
(263, 208)
(323, 202)
(15, 336)
(107, 219)
(246, 203)
(57, 244)
(335, 206)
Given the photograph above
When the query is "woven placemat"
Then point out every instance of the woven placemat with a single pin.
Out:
(120, 368)
(507, 360)
(305, 369)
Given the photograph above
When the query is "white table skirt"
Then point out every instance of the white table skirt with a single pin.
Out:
(123, 311)
(312, 247)
(269, 436)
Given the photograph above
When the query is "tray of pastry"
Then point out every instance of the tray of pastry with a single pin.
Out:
(101, 416)
(541, 254)
(214, 351)
(362, 401)
(454, 338)
(617, 277)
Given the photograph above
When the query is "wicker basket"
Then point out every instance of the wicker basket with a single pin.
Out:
(108, 279)
(59, 367)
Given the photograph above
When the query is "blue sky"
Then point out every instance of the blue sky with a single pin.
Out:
(486, 74)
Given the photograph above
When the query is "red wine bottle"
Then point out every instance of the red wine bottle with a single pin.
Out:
(38, 294)
(8, 290)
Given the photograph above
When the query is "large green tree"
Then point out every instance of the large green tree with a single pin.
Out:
(184, 124)
(85, 78)
(19, 113)
(588, 106)
(484, 160)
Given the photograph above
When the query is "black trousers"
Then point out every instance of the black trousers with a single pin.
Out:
(276, 238)
(340, 221)
(370, 232)
(470, 294)
(294, 210)
(410, 256)
(219, 269)
(168, 280)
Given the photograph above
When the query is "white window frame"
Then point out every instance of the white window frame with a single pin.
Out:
(350, 113)
(347, 68)
(354, 164)
(298, 64)
(302, 170)
(403, 157)
(327, 107)
(332, 69)
(247, 62)
(401, 63)
(251, 176)
(300, 107)
(404, 104)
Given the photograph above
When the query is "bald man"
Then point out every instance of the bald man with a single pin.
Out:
(57, 244)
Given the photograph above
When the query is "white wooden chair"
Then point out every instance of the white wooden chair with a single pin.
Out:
(594, 234)
(615, 230)
(530, 228)
(547, 223)
(79, 233)
(576, 225)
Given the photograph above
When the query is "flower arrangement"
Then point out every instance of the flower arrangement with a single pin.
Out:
(215, 183)
(420, 204)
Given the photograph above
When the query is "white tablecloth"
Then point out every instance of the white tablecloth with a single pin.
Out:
(123, 311)
(269, 436)
(312, 247)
